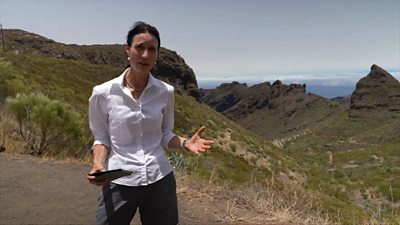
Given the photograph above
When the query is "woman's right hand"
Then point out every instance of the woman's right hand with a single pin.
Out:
(100, 154)
(92, 179)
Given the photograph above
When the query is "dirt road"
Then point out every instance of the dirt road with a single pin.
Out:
(40, 191)
(37, 191)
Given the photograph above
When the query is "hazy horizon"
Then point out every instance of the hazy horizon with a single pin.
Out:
(328, 85)
(324, 91)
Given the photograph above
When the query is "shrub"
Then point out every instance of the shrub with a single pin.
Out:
(43, 122)
(6, 74)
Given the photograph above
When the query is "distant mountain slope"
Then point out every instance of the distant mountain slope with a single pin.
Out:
(344, 100)
(170, 66)
(272, 111)
(376, 95)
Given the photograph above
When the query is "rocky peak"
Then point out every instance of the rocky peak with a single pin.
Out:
(224, 96)
(377, 94)
(277, 83)
(378, 73)
(279, 89)
(233, 85)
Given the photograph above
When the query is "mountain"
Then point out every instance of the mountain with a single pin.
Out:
(344, 100)
(271, 111)
(170, 66)
(376, 95)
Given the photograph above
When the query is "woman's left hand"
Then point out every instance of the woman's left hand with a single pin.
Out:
(196, 144)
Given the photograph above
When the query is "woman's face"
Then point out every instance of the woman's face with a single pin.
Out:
(143, 52)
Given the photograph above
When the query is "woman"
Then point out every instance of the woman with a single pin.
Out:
(131, 118)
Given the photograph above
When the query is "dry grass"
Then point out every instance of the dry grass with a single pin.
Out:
(276, 202)
(254, 203)
(9, 137)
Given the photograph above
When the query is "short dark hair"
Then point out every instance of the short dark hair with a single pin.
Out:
(142, 27)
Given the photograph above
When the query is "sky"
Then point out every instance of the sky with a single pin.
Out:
(326, 43)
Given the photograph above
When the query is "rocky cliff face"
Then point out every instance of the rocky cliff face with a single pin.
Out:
(376, 95)
(170, 66)
(237, 100)
(270, 110)
(225, 96)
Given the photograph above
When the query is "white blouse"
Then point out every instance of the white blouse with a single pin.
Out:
(135, 130)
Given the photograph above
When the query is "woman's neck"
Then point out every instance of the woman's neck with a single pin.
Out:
(136, 80)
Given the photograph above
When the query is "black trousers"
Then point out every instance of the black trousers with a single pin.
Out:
(157, 203)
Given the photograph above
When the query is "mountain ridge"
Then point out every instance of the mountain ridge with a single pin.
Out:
(277, 105)
(169, 67)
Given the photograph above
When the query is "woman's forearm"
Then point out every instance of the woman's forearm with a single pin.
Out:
(100, 155)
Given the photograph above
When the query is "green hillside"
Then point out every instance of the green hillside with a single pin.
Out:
(356, 161)
(297, 114)
(72, 81)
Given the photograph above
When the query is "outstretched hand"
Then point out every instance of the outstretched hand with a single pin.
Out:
(196, 144)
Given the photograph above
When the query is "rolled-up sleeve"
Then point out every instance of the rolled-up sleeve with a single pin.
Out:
(98, 118)
(168, 119)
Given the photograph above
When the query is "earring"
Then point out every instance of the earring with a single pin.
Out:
(129, 58)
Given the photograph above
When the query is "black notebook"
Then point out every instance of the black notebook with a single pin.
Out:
(111, 174)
